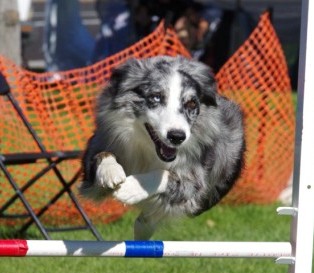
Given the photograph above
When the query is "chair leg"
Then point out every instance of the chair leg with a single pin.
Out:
(67, 189)
(84, 215)
(35, 216)
(36, 138)
(28, 184)
(76, 203)
(25, 202)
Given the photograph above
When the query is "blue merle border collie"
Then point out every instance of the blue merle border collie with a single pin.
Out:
(165, 141)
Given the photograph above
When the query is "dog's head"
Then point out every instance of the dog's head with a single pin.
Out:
(165, 95)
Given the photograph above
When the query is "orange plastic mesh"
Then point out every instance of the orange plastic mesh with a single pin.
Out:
(60, 108)
(256, 77)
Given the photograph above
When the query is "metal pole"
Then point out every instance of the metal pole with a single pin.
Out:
(303, 184)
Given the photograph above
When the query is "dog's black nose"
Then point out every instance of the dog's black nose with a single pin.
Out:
(176, 136)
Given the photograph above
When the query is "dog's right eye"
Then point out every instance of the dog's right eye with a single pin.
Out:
(155, 98)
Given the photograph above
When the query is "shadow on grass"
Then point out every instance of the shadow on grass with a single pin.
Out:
(13, 233)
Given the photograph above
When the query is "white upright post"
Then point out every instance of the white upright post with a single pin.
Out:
(10, 31)
(303, 184)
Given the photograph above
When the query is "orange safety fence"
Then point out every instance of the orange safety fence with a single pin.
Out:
(256, 77)
(60, 108)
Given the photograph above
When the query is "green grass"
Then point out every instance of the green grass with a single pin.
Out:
(223, 223)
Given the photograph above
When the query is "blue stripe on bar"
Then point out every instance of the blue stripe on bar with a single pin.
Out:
(149, 249)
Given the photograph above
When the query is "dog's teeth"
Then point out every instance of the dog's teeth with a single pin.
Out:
(167, 152)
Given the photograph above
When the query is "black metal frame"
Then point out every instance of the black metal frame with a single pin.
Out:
(53, 159)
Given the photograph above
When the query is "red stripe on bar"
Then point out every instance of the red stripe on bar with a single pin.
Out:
(12, 248)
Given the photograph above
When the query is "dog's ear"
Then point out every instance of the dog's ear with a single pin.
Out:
(204, 77)
(131, 69)
(209, 90)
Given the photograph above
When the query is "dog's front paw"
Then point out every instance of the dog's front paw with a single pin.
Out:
(109, 174)
(130, 192)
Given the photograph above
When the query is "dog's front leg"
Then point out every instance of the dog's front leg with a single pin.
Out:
(137, 188)
(108, 175)
(109, 172)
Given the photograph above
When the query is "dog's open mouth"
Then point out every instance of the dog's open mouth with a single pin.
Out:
(164, 152)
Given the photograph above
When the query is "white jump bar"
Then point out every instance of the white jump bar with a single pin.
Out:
(150, 249)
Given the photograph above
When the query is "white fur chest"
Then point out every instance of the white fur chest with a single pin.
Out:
(137, 154)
